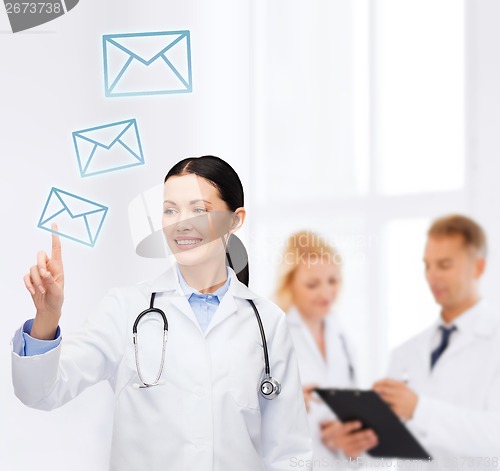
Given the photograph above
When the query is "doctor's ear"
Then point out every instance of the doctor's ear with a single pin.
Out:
(237, 219)
(480, 267)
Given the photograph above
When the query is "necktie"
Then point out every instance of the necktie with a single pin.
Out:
(445, 340)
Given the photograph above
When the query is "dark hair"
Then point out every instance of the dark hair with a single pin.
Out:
(227, 182)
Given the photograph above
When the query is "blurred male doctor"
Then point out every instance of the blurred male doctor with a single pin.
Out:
(445, 381)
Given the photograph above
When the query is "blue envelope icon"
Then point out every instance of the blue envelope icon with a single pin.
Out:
(147, 63)
(108, 148)
(77, 218)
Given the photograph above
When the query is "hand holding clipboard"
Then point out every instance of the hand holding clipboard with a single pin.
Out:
(350, 437)
(367, 407)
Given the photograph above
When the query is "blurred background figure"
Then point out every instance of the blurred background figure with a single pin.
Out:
(445, 381)
(309, 282)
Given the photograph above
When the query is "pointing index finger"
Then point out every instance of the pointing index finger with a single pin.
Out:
(56, 244)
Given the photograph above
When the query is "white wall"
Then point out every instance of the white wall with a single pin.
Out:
(483, 138)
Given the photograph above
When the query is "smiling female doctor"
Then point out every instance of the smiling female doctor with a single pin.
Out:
(213, 407)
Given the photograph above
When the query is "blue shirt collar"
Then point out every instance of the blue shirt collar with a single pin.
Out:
(188, 291)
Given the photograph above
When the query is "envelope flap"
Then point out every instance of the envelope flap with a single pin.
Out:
(106, 135)
(53, 206)
(146, 47)
(78, 206)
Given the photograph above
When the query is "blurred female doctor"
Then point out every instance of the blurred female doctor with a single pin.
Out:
(206, 410)
(309, 282)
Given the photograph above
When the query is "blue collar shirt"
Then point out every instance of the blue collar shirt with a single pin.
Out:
(203, 305)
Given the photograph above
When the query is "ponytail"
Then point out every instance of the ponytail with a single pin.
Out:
(237, 259)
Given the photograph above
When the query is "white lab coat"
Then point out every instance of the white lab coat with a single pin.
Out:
(208, 415)
(458, 410)
(313, 369)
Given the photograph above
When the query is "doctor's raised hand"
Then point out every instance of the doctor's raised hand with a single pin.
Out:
(45, 282)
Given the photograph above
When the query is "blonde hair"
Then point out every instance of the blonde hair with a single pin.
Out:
(301, 247)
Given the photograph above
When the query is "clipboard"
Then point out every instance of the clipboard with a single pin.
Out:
(394, 439)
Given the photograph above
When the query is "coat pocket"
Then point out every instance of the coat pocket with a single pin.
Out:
(246, 372)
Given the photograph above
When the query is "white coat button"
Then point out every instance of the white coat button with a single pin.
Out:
(198, 444)
(199, 392)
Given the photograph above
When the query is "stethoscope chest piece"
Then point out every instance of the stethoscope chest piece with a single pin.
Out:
(270, 387)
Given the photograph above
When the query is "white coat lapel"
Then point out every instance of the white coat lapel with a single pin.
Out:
(482, 326)
(338, 354)
(296, 318)
(180, 302)
(168, 285)
(332, 339)
(226, 308)
(422, 359)
(461, 341)
(228, 305)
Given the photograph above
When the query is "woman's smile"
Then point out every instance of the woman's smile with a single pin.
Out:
(187, 243)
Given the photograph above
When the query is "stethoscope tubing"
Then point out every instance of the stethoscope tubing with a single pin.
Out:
(269, 387)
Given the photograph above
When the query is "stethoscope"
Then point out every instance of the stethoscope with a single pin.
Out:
(269, 386)
(352, 372)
